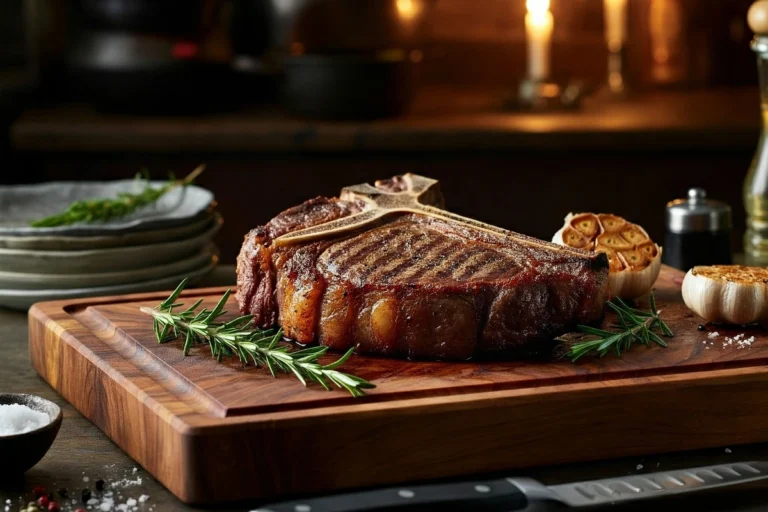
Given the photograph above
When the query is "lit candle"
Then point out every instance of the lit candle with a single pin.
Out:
(538, 30)
(615, 24)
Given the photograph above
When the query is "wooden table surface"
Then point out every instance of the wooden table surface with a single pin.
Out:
(81, 450)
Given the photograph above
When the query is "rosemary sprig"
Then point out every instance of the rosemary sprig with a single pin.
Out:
(636, 326)
(102, 210)
(237, 337)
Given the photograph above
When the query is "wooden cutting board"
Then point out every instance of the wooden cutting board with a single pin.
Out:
(220, 432)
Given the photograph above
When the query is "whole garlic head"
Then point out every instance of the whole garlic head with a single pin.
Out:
(732, 294)
(634, 259)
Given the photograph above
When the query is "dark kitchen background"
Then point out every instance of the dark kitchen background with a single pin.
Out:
(288, 99)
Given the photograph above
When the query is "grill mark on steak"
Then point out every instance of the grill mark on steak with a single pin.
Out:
(353, 250)
(417, 268)
(492, 270)
(475, 263)
(382, 250)
(441, 261)
(389, 254)
(385, 273)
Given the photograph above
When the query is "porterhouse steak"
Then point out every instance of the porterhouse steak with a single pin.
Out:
(415, 286)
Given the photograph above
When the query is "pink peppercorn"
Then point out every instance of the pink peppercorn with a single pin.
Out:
(38, 490)
(53, 507)
(43, 501)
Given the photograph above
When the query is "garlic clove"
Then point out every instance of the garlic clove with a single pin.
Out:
(614, 241)
(611, 223)
(732, 294)
(572, 238)
(634, 235)
(634, 258)
(648, 248)
(586, 224)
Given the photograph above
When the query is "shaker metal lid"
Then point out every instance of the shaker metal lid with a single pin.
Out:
(697, 213)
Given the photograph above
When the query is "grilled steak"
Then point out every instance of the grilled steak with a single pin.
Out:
(415, 286)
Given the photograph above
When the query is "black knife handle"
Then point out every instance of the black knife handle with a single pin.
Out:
(487, 496)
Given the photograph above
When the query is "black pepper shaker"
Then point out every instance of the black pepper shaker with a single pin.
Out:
(698, 232)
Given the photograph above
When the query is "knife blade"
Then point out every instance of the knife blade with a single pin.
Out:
(508, 494)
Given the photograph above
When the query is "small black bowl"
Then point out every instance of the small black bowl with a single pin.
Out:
(22, 451)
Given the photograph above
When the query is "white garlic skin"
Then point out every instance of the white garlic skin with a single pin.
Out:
(632, 284)
(558, 237)
(728, 302)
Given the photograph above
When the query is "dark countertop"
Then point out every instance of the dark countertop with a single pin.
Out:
(440, 120)
(81, 450)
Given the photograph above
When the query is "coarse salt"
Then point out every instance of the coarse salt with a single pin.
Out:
(713, 335)
(143, 498)
(18, 419)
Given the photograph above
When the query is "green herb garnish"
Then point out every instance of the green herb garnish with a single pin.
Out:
(636, 326)
(237, 337)
(102, 210)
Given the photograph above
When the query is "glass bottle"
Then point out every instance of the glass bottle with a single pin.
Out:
(756, 184)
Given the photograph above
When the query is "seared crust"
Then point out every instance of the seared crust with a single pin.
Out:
(416, 287)
(256, 271)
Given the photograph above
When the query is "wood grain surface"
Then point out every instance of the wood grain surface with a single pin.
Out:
(218, 432)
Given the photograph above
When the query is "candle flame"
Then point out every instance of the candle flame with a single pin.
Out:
(537, 7)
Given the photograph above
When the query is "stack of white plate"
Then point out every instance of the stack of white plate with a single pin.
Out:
(152, 249)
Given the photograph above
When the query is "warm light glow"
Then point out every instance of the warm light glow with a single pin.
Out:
(615, 12)
(665, 20)
(538, 11)
(538, 30)
(408, 9)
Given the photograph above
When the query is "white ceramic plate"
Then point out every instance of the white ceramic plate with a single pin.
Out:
(103, 260)
(23, 299)
(80, 243)
(22, 204)
(29, 281)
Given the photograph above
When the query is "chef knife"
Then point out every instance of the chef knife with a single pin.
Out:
(508, 494)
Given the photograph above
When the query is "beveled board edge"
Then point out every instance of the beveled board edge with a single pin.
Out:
(204, 460)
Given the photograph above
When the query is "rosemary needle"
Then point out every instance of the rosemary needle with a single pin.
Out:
(635, 326)
(237, 337)
(102, 210)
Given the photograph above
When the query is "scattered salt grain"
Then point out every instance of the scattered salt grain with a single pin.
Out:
(86, 479)
(131, 502)
(727, 450)
(126, 482)
(639, 467)
(18, 419)
(143, 498)
(713, 335)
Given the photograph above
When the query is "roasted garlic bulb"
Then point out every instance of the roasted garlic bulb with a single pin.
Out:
(634, 259)
(731, 294)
